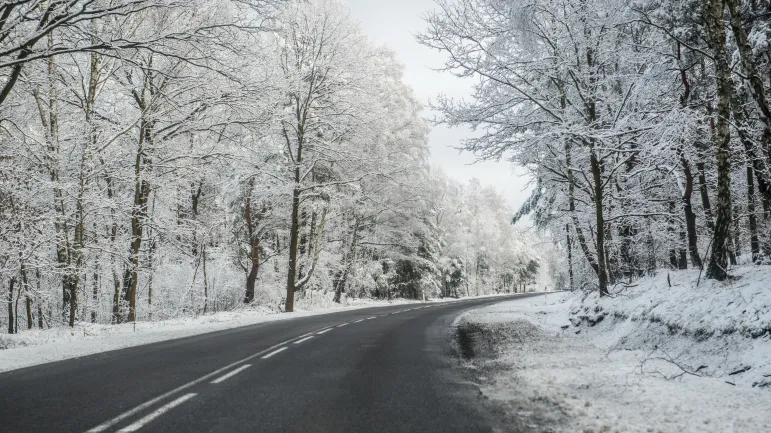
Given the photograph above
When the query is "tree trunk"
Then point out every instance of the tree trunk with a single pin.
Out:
(570, 256)
(138, 213)
(753, 223)
(572, 208)
(736, 233)
(294, 236)
(748, 64)
(349, 257)
(253, 272)
(703, 190)
(254, 251)
(690, 215)
(10, 305)
(27, 299)
(718, 263)
(28, 302)
(602, 275)
(95, 296)
(205, 280)
(294, 230)
(671, 231)
(682, 257)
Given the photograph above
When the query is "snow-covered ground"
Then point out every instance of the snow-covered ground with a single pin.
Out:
(654, 358)
(40, 346)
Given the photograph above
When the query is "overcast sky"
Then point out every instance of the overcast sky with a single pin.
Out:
(394, 23)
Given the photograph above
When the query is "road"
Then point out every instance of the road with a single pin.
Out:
(384, 369)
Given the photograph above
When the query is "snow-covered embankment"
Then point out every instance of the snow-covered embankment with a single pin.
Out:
(661, 355)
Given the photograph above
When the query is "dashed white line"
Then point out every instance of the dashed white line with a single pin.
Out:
(231, 374)
(131, 412)
(274, 352)
(373, 317)
(158, 412)
(360, 320)
(324, 331)
(342, 324)
(304, 339)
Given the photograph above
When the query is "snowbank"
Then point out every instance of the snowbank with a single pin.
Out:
(721, 329)
(654, 358)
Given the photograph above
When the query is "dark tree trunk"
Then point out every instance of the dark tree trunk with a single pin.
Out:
(138, 214)
(570, 256)
(28, 302)
(602, 273)
(10, 305)
(95, 297)
(690, 216)
(253, 272)
(254, 246)
(718, 263)
(572, 208)
(705, 202)
(682, 257)
(27, 299)
(736, 233)
(753, 223)
(294, 236)
(671, 230)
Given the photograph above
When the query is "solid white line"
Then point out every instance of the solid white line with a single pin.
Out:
(304, 339)
(231, 374)
(274, 352)
(324, 331)
(109, 423)
(342, 324)
(158, 412)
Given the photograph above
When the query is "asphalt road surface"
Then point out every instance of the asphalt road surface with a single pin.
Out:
(385, 369)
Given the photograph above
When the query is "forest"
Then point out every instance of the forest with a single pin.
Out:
(174, 158)
(645, 125)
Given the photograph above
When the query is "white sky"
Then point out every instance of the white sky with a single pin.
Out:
(394, 23)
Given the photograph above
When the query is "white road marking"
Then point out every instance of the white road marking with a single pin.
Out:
(158, 412)
(231, 374)
(109, 423)
(324, 331)
(304, 339)
(274, 352)
(360, 320)
(373, 317)
(342, 324)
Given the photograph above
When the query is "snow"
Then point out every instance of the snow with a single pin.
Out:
(35, 346)
(657, 359)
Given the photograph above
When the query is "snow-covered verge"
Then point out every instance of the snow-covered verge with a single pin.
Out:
(653, 358)
(35, 347)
